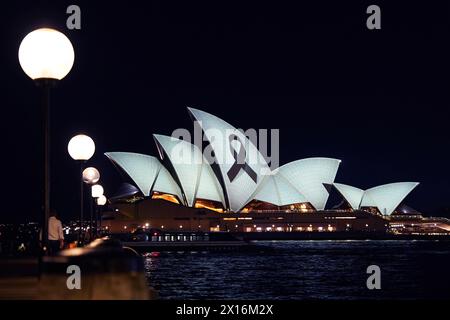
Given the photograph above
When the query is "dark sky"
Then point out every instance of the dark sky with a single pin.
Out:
(378, 100)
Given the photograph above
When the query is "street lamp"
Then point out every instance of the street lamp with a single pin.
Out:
(81, 148)
(97, 191)
(46, 56)
(91, 176)
(101, 201)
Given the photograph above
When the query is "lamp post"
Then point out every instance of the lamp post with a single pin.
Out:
(81, 148)
(101, 201)
(46, 56)
(91, 176)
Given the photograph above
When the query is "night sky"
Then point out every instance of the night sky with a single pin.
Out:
(378, 99)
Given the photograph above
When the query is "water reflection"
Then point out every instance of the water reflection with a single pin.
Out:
(305, 270)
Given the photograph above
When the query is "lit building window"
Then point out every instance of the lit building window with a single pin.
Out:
(259, 229)
(279, 229)
(320, 228)
(269, 229)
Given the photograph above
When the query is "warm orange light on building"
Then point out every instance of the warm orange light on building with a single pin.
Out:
(165, 196)
(199, 204)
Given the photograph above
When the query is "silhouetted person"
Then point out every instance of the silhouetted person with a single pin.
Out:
(55, 233)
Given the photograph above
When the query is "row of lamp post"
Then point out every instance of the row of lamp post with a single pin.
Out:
(81, 148)
(47, 56)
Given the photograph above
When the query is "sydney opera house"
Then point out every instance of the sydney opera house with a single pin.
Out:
(181, 190)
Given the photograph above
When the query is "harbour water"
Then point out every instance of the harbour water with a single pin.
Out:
(289, 270)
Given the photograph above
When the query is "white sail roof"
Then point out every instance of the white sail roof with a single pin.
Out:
(367, 201)
(244, 173)
(209, 187)
(166, 184)
(387, 197)
(141, 168)
(278, 191)
(186, 160)
(229, 144)
(351, 194)
(309, 175)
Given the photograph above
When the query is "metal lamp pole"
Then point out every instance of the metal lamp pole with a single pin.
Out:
(46, 84)
(80, 220)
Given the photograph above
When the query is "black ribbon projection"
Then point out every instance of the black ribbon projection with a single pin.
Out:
(239, 161)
